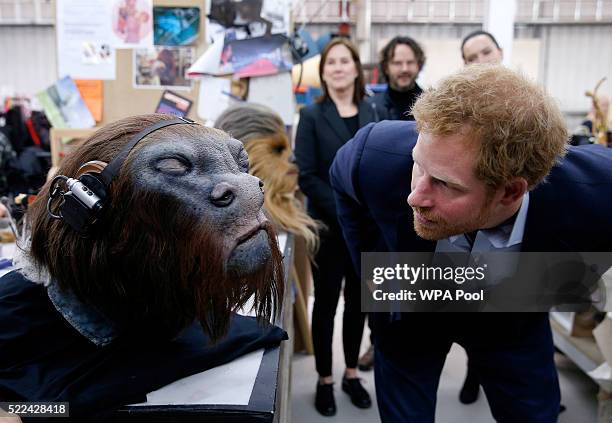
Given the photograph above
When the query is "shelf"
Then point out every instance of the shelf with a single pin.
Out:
(582, 351)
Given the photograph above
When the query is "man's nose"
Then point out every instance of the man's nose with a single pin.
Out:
(421, 195)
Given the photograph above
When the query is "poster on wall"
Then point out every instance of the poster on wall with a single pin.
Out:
(210, 62)
(173, 104)
(132, 23)
(84, 42)
(92, 92)
(162, 67)
(258, 56)
(64, 105)
(244, 19)
(214, 97)
(276, 92)
(175, 26)
(277, 13)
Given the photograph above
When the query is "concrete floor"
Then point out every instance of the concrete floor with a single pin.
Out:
(578, 391)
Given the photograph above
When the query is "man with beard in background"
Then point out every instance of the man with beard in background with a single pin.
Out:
(401, 61)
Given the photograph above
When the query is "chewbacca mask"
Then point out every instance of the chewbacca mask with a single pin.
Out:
(182, 236)
(263, 133)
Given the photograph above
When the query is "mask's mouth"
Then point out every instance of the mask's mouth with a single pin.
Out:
(250, 234)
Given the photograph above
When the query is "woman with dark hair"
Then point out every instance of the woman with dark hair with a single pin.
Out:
(323, 128)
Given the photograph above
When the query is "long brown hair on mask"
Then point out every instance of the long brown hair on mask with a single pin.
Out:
(271, 159)
(152, 265)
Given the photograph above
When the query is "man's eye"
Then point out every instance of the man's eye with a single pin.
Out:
(279, 149)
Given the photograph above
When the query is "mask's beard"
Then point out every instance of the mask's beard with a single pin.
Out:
(217, 294)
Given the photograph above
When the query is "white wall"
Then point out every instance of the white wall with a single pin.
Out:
(28, 63)
(576, 57)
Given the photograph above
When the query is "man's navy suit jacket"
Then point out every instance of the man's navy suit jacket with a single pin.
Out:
(371, 174)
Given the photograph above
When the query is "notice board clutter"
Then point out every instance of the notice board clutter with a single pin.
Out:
(249, 44)
(143, 48)
(138, 49)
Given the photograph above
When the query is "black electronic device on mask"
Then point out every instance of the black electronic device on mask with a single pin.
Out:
(81, 202)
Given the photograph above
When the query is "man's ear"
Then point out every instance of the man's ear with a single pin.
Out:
(514, 190)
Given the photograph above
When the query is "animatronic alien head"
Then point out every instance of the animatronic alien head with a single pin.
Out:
(263, 133)
(182, 235)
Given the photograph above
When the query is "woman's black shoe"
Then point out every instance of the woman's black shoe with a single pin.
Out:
(359, 396)
(324, 400)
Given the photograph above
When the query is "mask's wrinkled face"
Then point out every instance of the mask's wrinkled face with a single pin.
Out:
(183, 236)
(207, 179)
(194, 236)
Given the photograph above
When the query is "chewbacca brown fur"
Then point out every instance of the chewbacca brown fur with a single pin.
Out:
(271, 159)
(149, 265)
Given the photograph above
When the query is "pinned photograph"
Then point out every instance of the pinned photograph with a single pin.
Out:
(95, 53)
(175, 26)
(258, 56)
(64, 105)
(173, 104)
(163, 67)
(85, 40)
(247, 18)
(132, 23)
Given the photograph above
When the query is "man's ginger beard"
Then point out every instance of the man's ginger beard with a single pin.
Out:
(443, 229)
(280, 185)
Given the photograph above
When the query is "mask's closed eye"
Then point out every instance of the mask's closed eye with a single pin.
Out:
(175, 166)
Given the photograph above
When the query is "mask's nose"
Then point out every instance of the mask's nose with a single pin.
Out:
(223, 194)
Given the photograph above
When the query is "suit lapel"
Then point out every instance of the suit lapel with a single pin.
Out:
(330, 113)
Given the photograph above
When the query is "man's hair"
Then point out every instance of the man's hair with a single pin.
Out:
(359, 92)
(476, 34)
(519, 128)
(386, 54)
